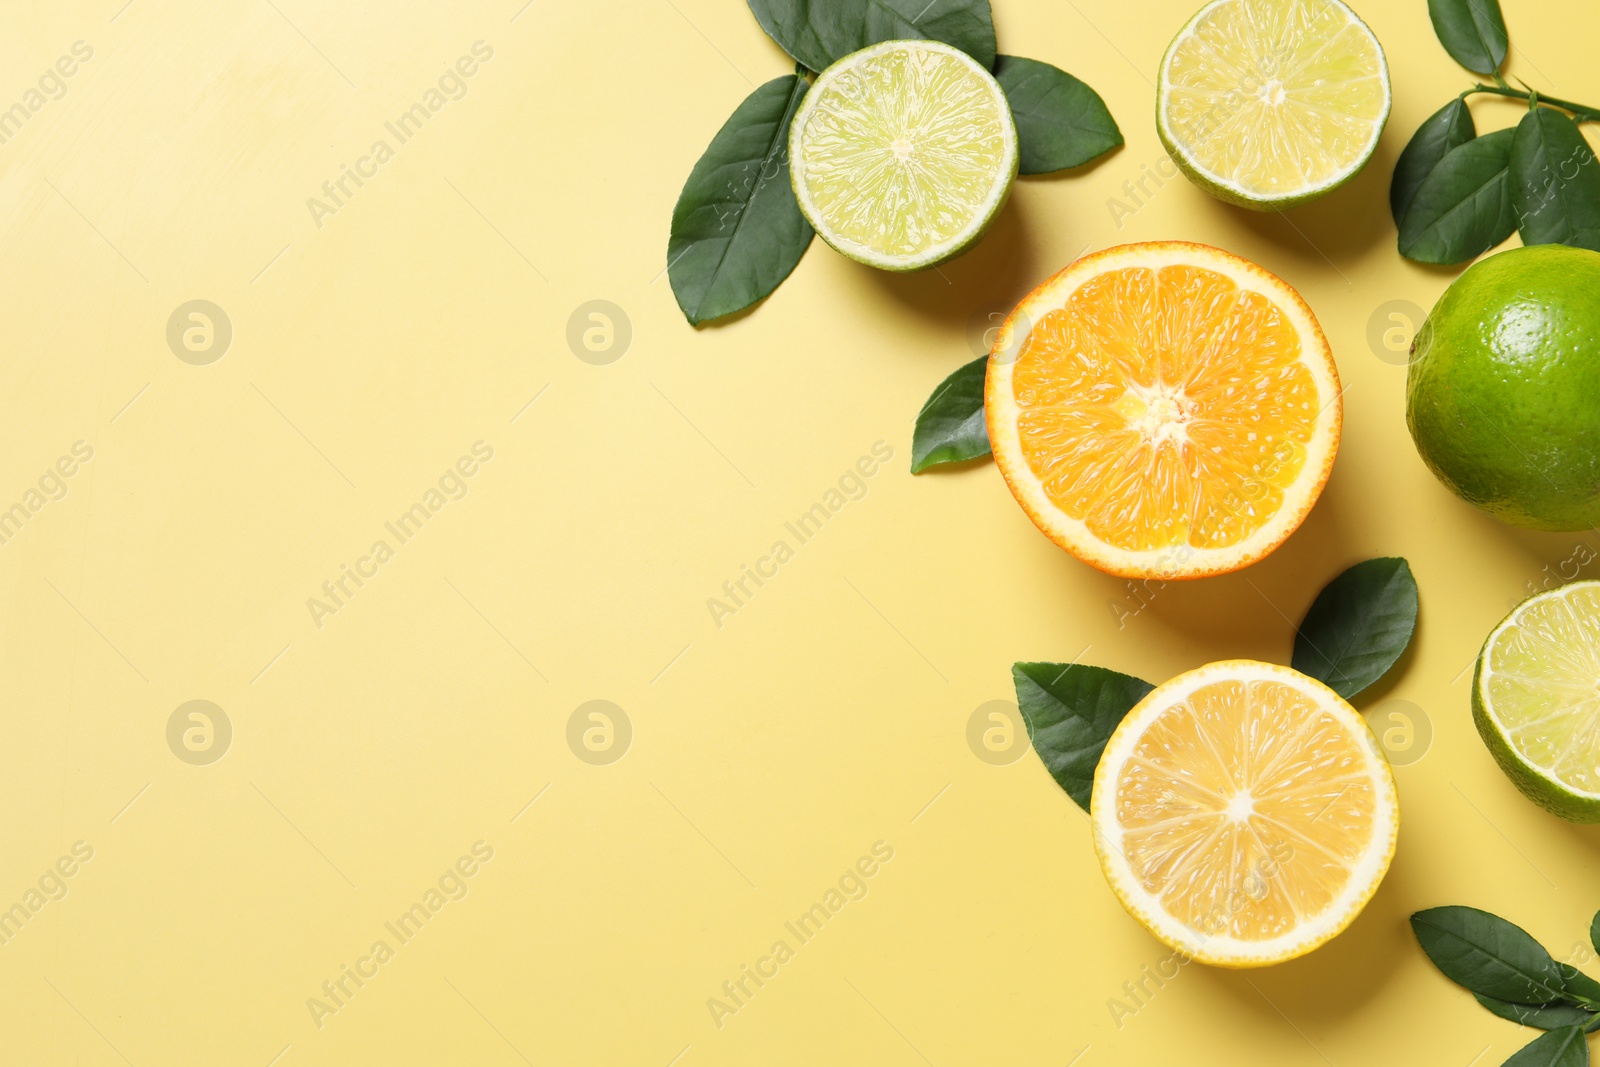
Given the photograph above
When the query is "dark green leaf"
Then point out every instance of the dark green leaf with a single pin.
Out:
(1565, 1047)
(1579, 986)
(1488, 955)
(1463, 206)
(1594, 931)
(1446, 128)
(1472, 31)
(817, 32)
(1555, 182)
(737, 231)
(1539, 1016)
(1061, 122)
(950, 426)
(1358, 626)
(1071, 710)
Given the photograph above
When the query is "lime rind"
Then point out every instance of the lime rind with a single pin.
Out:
(1542, 722)
(903, 153)
(1250, 195)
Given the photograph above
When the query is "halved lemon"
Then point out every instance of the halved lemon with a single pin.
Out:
(903, 153)
(1164, 410)
(1536, 699)
(1271, 103)
(1243, 813)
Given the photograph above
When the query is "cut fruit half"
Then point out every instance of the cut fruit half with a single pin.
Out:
(1243, 813)
(1164, 410)
(1271, 103)
(1536, 699)
(903, 153)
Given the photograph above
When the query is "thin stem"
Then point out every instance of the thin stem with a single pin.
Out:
(1580, 112)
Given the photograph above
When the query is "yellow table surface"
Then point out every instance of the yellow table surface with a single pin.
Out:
(401, 731)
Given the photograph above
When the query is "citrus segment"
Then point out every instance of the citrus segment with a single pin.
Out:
(1164, 409)
(1269, 103)
(1536, 699)
(902, 153)
(1243, 814)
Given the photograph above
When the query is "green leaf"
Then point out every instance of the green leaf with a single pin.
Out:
(1565, 1047)
(1463, 206)
(950, 426)
(1446, 128)
(737, 231)
(1061, 122)
(1071, 710)
(1555, 182)
(817, 32)
(1358, 626)
(1472, 31)
(1579, 986)
(1539, 1016)
(1488, 955)
(1594, 931)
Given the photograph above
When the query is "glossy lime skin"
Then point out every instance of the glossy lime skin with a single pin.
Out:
(1503, 392)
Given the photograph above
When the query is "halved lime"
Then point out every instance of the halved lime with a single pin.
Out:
(1536, 699)
(902, 153)
(1271, 103)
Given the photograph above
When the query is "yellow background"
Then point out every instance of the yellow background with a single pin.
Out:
(768, 753)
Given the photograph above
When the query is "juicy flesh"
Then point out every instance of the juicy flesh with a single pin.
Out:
(1165, 407)
(904, 151)
(1244, 809)
(1543, 682)
(1276, 96)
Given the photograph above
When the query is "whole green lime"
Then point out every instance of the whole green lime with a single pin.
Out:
(1503, 393)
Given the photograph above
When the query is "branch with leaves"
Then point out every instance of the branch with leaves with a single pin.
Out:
(1513, 976)
(1455, 195)
(737, 229)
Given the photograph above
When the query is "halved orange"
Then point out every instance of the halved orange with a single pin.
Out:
(1164, 410)
(1244, 813)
